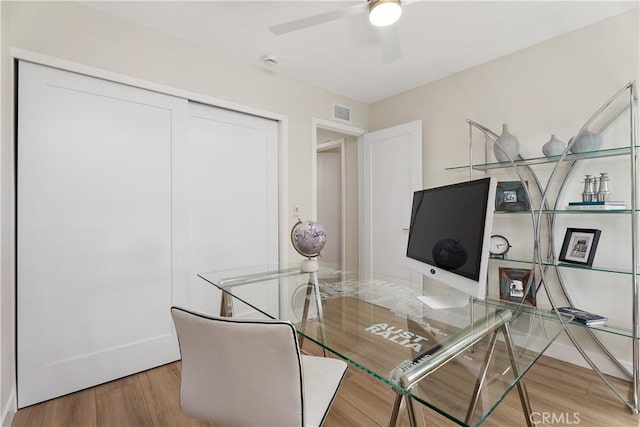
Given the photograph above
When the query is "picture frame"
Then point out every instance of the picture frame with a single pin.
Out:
(513, 282)
(579, 246)
(511, 196)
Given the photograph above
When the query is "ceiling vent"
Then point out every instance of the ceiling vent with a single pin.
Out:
(342, 113)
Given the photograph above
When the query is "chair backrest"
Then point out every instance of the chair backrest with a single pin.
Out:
(239, 372)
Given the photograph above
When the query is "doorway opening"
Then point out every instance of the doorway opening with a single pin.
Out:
(335, 190)
(330, 197)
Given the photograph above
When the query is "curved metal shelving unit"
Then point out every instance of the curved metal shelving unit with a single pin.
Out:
(563, 168)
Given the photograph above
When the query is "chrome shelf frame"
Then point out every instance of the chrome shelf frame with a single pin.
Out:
(562, 168)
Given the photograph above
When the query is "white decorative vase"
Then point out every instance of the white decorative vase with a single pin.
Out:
(553, 147)
(586, 141)
(506, 147)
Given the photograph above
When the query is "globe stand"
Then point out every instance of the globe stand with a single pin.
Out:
(310, 265)
(313, 287)
(308, 239)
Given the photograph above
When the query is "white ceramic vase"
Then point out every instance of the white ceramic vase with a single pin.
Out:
(506, 147)
(553, 147)
(586, 141)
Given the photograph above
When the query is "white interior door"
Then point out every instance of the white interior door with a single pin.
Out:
(391, 171)
(94, 256)
(233, 199)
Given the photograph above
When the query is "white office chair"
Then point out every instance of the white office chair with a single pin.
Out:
(239, 372)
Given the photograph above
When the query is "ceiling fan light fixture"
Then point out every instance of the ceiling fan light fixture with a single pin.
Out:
(384, 12)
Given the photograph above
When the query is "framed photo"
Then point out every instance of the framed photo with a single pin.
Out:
(513, 282)
(511, 196)
(579, 246)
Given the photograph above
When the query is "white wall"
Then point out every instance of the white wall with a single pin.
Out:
(552, 87)
(80, 34)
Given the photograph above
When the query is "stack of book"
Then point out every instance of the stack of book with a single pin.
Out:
(609, 206)
(583, 317)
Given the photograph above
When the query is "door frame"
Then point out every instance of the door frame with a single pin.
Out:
(316, 124)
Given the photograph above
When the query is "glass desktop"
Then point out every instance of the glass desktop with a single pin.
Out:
(460, 362)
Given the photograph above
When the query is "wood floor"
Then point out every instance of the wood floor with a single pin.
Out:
(573, 395)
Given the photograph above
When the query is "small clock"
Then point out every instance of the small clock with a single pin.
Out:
(499, 246)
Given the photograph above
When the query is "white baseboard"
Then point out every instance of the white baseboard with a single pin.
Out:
(9, 410)
(568, 353)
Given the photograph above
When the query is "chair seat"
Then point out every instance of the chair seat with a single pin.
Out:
(322, 376)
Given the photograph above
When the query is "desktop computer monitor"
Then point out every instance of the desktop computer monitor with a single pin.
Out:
(449, 238)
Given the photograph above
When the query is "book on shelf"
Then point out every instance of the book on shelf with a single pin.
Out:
(583, 317)
(612, 205)
(609, 202)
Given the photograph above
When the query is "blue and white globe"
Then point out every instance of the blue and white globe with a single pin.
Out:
(308, 238)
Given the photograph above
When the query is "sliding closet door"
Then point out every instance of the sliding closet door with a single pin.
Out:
(233, 198)
(94, 258)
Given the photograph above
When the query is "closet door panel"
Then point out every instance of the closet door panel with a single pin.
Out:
(233, 199)
(94, 231)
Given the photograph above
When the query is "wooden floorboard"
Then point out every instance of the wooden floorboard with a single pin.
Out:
(161, 391)
(575, 395)
(73, 410)
(121, 403)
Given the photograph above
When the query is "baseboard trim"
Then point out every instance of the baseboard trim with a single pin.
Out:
(569, 354)
(9, 410)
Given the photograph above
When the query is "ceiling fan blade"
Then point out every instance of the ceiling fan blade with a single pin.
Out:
(390, 44)
(310, 21)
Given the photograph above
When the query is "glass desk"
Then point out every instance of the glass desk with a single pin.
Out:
(459, 362)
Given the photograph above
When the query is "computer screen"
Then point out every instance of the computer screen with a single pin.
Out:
(450, 232)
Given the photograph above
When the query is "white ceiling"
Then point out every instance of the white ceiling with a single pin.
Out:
(438, 38)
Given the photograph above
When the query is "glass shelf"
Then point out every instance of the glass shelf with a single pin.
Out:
(569, 211)
(590, 211)
(512, 212)
(607, 327)
(609, 152)
(603, 269)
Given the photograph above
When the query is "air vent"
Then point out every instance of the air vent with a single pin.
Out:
(342, 113)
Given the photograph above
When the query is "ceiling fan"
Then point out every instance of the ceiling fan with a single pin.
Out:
(382, 14)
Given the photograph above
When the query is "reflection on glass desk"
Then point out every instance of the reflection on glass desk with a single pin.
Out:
(459, 362)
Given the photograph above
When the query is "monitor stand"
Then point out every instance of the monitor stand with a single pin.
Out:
(452, 299)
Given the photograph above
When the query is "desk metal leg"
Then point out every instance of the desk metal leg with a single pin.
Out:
(414, 410)
(413, 371)
(522, 389)
(416, 417)
(226, 305)
(481, 378)
(398, 406)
